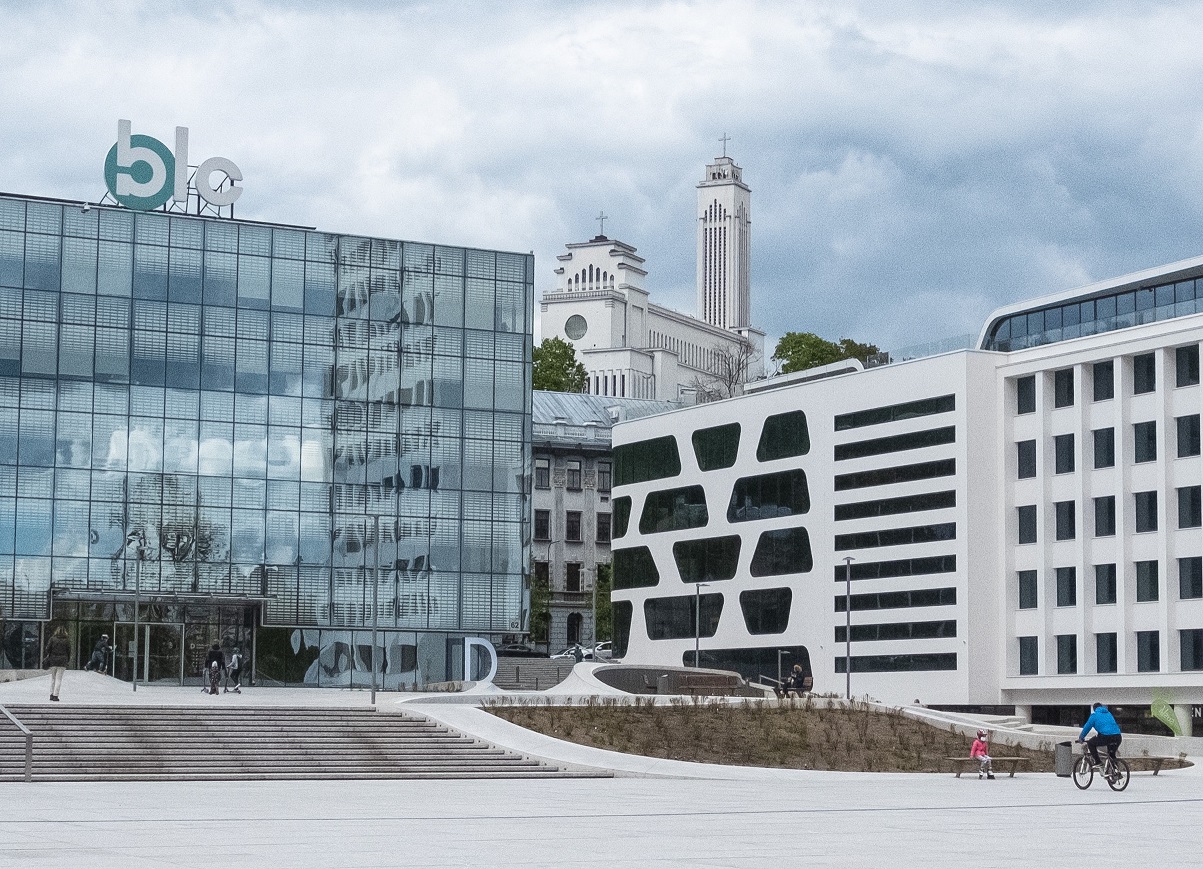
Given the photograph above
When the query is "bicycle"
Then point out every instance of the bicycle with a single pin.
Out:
(1114, 769)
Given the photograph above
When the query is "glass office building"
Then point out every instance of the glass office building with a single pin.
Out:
(271, 436)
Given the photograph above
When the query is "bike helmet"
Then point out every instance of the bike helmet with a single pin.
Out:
(981, 734)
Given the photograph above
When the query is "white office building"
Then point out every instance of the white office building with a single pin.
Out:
(1020, 524)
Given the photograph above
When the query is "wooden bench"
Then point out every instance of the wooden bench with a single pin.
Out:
(969, 764)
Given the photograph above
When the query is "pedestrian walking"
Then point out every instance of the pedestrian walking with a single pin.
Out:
(58, 655)
(235, 679)
(215, 667)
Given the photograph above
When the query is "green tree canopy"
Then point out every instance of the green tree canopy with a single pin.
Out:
(797, 351)
(556, 367)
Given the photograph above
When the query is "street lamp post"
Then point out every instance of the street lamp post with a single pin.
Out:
(697, 621)
(375, 605)
(848, 559)
(137, 538)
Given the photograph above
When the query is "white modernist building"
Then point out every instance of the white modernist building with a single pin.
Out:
(633, 348)
(1020, 524)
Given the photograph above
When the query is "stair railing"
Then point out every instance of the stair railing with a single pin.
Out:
(28, 743)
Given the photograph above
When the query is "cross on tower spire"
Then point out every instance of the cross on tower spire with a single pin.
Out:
(725, 139)
(601, 219)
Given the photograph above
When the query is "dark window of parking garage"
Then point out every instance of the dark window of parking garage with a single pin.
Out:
(1028, 596)
(1104, 583)
(623, 611)
(782, 551)
(898, 474)
(1025, 395)
(1025, 455)
(899, 567)
(1063, 453)
(1144, 441)
(1106, 653)
(716, 447)
(672, 618)
(1190, 508)
(674, 510)
(896, 443)
(895, 506)
(784, 435)
(1144, 373)
(621, 508)
(1146, 511)
(897, 536)
(1147, 584)
(1029, 656)
(707, 560)
(1186, 365)
(1104, 516)
(654, 459)
(750, 663)
(898, 631)
(896, 412)
(1063, 512)
(634, 568)
(888, 600)
(899, 663)
(1148, 652)
(1191, 641)
(1188, 435)
(1104, 380)
(1063, 388)
(766, 610)
(1067, 653)
(1190, 577)
(769, 496)
(1067, 586)
(1027, 523)
(1104, 447)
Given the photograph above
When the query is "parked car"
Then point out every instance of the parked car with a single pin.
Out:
(603, 651)
(570, 654)
(518, 650)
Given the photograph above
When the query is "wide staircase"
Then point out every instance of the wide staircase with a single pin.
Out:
(131, 743)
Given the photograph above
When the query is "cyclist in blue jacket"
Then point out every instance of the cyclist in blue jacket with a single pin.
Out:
(1106, 731)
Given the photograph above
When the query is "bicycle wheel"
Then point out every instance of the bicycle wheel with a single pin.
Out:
(1083, 772)
(1118, 773)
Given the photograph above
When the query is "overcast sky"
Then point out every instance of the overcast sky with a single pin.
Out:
(913, 165)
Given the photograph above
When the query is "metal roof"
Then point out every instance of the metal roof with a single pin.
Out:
(582, 408)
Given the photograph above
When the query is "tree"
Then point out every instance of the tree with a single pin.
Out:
(540, 606)
(603, 619)
(797, 351)
(730, 365)
(556, 367)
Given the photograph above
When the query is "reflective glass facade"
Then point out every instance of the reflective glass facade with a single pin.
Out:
(249, 412)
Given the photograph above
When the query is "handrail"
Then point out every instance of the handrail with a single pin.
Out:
(28, 742)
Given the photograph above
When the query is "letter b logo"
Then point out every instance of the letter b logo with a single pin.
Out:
(139, 170)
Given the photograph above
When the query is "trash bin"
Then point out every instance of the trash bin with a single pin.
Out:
(1063, 759)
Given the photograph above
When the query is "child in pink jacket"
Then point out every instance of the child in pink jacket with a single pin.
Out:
(981, 750)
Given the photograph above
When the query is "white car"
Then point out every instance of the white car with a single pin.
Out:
(569, 654)
(603, 651)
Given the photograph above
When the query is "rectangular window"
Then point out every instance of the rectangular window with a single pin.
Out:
(603, 527)
(543, 573)
(572, 526)
(1025, 395)
(1063, 388)
(1190, 510)
(1104, 380)
(1066, 527)
(603, 476)
(572, 577)
(1144, 440)
(1028, 597)
(1026, 459)
(896, 412)
(1104, 584)
(1148, 651)
(1106, 653)
(1067, 586)
(1146, 582)
(1190, 578)
(1144, 373)
(1029, 656)
(573, 475)
(1146, 511)
(1104, 447)
(1027, 523)
(1104, 516)
(1067, 653)
(1192, 648)
(1186, 364)
(542, 473)
(542, 524)
(1063, 450)
(1188, 435)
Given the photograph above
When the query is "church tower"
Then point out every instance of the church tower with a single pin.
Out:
(724, 229)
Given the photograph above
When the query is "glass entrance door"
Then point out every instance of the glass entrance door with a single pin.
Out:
(159, 653)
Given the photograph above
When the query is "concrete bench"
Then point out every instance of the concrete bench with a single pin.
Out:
(970, 764)
(1144, 763)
